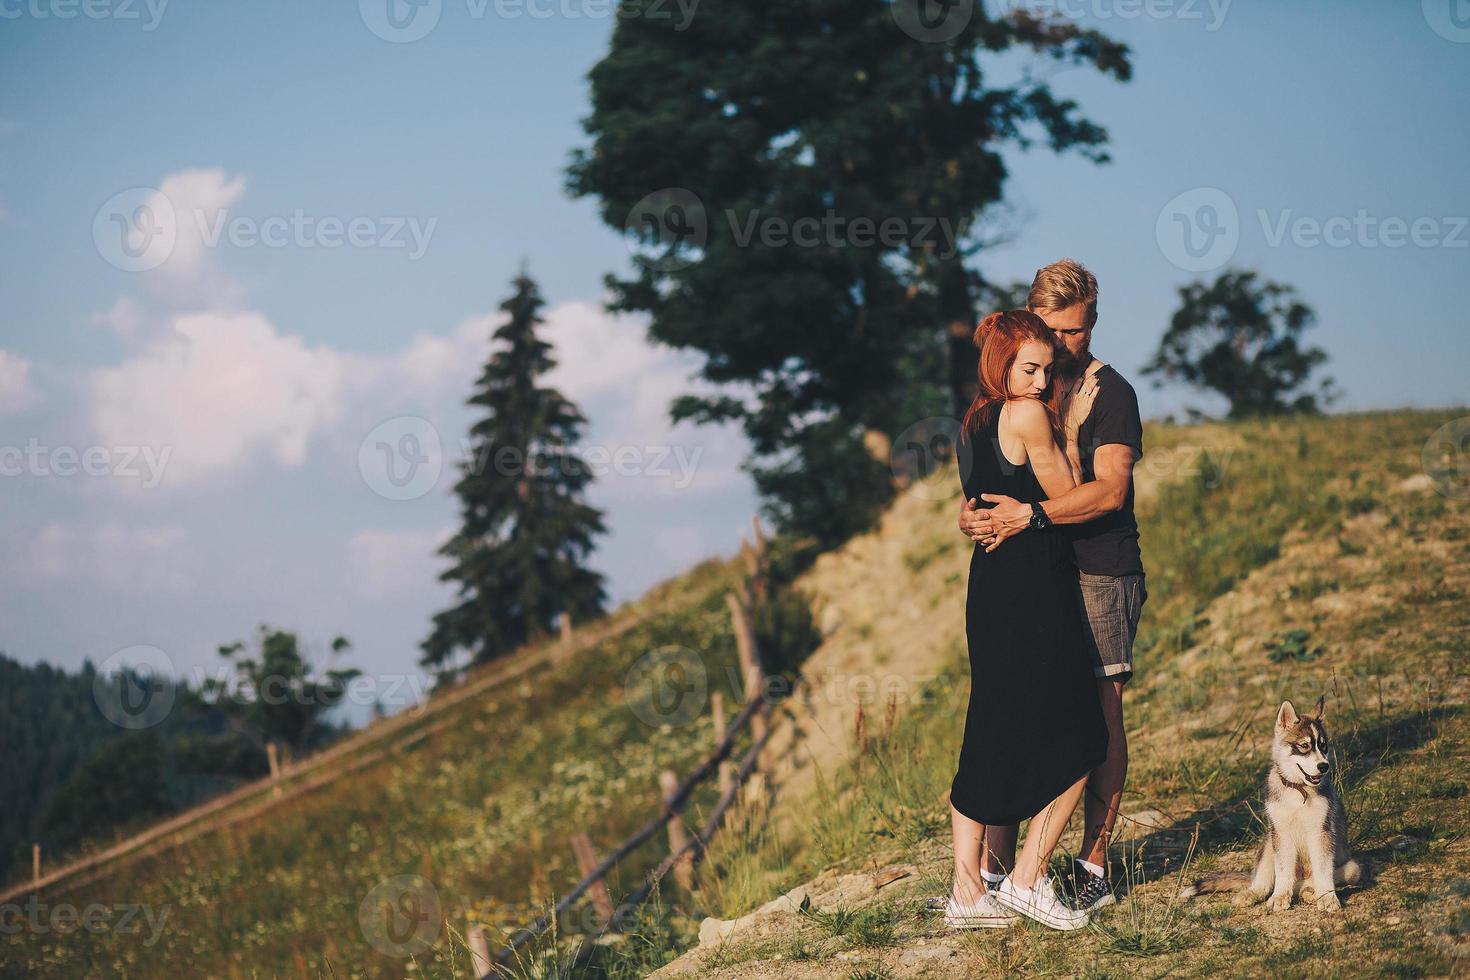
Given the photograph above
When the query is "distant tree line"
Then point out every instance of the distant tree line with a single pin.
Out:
(71, 774)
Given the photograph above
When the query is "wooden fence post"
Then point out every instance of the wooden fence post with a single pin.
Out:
(275, 761)
(35, 862)
(758, 584)
(566, 628)
(678, 836)
(587, 862)
(479, 952)
(727, 766)
(749, 665)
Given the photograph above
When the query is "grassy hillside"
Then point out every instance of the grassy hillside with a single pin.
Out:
(481, 803)
(1285, 559)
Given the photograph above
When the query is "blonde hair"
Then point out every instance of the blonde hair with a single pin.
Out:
(1062, 284)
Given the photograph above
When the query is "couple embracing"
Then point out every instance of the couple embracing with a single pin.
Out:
(1056, 585)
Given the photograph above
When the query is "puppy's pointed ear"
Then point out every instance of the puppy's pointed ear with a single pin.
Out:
(1287, 716)
(1319, 711)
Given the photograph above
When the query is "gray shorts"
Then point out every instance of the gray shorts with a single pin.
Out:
(1111, 604)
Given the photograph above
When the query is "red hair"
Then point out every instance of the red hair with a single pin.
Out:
(999, 337)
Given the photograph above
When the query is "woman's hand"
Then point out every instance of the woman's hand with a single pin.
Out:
(1077, 405)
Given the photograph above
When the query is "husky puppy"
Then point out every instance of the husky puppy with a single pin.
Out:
(1307, 827)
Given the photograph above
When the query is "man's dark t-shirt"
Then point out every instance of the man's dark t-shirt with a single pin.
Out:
(1109, 544)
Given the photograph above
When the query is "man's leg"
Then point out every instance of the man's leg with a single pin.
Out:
(1000, 848)
(1105, 783)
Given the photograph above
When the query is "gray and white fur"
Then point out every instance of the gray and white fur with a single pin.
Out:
(1306, 846)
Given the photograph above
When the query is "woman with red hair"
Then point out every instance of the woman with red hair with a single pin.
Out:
(1034, 728)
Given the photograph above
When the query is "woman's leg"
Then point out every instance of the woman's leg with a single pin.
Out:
(1000, 848)
(1042, 836)
(968, 837)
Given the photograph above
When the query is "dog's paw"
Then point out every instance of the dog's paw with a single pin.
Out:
(1329, 903)
(1308, 894)
(1247, 898)
(1279, 903)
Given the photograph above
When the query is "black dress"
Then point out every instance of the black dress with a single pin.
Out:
(1034, 724)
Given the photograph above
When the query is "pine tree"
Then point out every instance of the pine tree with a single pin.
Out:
(518, 556)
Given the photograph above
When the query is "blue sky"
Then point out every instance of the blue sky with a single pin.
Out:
(263, 369)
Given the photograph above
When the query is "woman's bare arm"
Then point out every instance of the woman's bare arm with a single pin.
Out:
(1030, 422)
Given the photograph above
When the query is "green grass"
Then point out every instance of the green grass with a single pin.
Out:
(482, 808)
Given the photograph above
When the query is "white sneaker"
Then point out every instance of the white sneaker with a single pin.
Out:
(1039, 902)
(983, 913)
(938, 903)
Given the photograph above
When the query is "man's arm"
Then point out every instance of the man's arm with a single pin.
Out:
(1113, 466)
(1119, 437)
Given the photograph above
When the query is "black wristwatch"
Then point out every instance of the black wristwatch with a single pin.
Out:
(1039, 521)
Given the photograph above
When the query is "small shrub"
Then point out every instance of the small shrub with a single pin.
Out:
(1291, 645)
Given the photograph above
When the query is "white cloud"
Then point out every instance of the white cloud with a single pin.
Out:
(433, 364)
(126, 318)
(192, 276)
(222, 390)
(597, 351)
(17, 393)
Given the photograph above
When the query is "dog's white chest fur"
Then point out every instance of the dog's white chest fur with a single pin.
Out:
(1296, 819)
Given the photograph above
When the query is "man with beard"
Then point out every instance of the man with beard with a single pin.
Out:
(1099, 512)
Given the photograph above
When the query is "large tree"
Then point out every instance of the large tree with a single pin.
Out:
(525, 533)
(1240, 337)
(715, 138)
